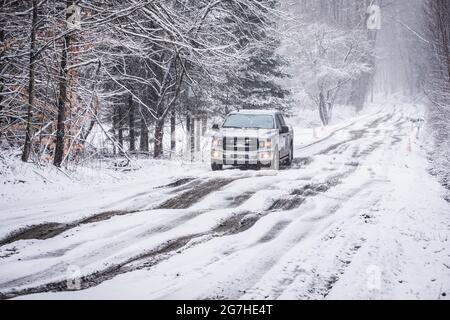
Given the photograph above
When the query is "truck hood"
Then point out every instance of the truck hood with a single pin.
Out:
(250, 133)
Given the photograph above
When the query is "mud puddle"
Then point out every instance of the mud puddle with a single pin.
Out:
(195, 194)
(52, 229)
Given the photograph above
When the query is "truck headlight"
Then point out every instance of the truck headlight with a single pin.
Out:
(216, 142)
(216, 155)
(265, 156)
(265, 143)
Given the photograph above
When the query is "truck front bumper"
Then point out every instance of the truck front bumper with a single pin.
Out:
(242, 158)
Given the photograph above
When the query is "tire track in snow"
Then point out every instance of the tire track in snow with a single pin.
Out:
(198, 192)
(333, 133)
(274, 255)
(309, 190)
(184, 200)
(316, 280)
(246, 289)
(193, 197)
(235, 224)
(52, 229)
(278, 228)
(322, 282)
(173, 224)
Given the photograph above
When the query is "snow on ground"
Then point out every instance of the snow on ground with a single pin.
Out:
(356, 216)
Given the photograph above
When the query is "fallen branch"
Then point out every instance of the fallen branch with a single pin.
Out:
(42, 176)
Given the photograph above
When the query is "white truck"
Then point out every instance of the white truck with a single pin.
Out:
(252, 139)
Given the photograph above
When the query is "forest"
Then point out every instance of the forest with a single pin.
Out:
(134, 72)
(224, 150)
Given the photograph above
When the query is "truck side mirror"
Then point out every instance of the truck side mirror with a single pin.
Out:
(215, 126)
(284, 129)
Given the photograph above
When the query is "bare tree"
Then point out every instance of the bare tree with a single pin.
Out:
(29, 131)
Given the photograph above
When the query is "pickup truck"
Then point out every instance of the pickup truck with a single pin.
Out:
(252, 138)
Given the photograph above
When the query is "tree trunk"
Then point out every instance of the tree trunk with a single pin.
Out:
(2, 67)
(192, 138)
(143, 141)
(172, 133)
(120, 128)
(60, 130)
(188, 134)
(131, 123)
(329, 107)
(115, 126)
(2, 84)
(197, 135)
(31, 81)
(159, 135)
(94, 109)
(204, 123)
(85, 134)
(323, 109)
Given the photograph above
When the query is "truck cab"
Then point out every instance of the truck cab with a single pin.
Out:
(252, 138)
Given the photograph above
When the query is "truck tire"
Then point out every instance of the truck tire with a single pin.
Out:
(291, 156)
(216, 167)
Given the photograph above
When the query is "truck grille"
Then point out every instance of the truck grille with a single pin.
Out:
(240, 144)
(236, 150)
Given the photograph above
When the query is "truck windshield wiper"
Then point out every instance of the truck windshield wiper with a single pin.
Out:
(258, 128)
(233, 127)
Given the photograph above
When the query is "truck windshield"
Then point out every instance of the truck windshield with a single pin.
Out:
(256, 121)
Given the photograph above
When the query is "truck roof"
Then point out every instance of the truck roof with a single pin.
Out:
(253, 111)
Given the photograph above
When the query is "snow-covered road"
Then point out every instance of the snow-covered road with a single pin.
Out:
(356, 216)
